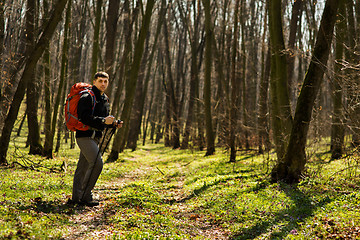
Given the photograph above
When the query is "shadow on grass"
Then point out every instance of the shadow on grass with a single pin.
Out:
(206, 186)
(295, 215)
(52, 207)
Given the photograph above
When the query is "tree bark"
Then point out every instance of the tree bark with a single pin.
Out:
(210, 138)
(131, 83)
(295, 17)
(281, 111)
(337, 128)
(96, 38)
(290, 168)
(2, 37)
(194, 74)
(111, 30)
(263, 124)
(235, 88)
(135, 125)
(33, 87)
(31, 62)
(170, 91)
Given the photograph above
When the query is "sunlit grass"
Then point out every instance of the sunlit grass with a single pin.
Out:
(160, 193)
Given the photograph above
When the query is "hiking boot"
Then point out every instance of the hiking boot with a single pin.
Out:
(89, 203)
(71, 202)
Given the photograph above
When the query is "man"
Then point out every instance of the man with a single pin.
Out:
(90, 162)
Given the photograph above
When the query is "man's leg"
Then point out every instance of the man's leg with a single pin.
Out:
(90, 151)
(78, 188)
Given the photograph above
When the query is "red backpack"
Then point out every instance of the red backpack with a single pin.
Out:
(71, 105)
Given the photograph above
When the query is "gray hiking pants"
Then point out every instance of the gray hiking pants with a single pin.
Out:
(88, 169)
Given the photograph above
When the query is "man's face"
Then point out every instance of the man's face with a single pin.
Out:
(101, 83)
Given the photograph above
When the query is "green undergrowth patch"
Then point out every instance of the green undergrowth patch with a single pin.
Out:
(160, 193)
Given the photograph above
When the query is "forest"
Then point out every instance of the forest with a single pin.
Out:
(266, 75)
(234, 79)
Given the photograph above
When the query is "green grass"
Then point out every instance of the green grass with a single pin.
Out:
(160, 193)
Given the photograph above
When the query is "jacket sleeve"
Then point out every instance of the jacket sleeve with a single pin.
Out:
(85, 112)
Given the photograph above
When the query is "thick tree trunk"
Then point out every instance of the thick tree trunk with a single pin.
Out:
(290, 168)
(281, 111)
(31, 62)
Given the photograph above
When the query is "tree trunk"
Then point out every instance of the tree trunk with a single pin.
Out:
(263, 125)
(96, 38)
(31, 62)
(210, 139)
(290, 168)
(281, 111)
(170, 91)
(295, 17)
(337, 128)
(111, 30)
(352, 39)
(194, 75)
(33, 86)
(131, 84)
(47, 152)
(61, 88)
(135, 125)
(2, 37)
(139, 101)
(235, 88)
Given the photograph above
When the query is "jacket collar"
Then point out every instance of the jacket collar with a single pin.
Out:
(96, 91)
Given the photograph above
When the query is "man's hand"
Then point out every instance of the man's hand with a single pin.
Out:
(118, 123)
(109, 120)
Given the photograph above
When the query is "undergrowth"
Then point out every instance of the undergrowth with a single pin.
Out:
(160, 193)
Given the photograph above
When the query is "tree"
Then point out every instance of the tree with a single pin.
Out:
(337, 128)
(194, 73)
(120, 139)
(235, 88)
(111, 30)
(210, 138)
(96, 38)
(33, 86)
(170, 91)
(32, 58)
(141, 93)
(281, 111)
(291, 166)
(2, 37)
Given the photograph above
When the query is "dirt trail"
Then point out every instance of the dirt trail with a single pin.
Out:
(92, 223)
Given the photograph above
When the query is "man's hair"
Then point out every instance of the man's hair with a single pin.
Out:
(101, 75)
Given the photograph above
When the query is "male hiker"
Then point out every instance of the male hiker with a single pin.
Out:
(93, 111)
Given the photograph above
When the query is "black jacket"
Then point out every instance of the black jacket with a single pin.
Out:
(93, 118)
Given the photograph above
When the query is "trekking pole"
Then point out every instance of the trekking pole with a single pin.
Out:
(107, 144)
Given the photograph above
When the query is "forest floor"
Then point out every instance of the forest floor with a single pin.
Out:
(160, 193)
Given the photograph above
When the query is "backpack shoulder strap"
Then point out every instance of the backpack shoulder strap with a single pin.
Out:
(92, 94)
